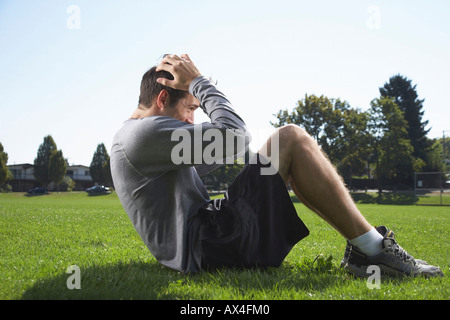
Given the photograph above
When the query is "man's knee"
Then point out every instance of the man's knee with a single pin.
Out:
(285, 140)
(283, 145)
(292, 133)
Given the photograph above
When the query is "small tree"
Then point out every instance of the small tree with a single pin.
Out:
(107, 172)
(100, 168)
(57, 167)
(5, 174)
(67, 184)
(41, 163)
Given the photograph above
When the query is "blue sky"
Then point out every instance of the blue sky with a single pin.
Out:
(72, 69)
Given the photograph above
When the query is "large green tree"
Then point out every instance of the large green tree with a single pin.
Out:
(394, 159)
(445, 143)
(405, 96)
(339, 129)
(435, 161)
(41, 162)
(310, 112)
(353, 144)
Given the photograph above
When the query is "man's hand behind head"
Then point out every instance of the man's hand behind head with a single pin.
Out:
(182, 69)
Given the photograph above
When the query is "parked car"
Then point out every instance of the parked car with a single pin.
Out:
(447, 184)
(38, 190)
(97, 190)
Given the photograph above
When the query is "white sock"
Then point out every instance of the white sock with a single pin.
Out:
(370, 243)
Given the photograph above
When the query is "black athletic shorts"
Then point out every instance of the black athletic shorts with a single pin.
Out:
(254, 225)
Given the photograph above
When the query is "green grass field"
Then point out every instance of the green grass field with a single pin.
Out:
(42, 236)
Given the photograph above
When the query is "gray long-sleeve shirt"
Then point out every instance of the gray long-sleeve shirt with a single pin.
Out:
(158, 184)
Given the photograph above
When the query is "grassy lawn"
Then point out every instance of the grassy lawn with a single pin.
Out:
(434, 199)
(41, 236)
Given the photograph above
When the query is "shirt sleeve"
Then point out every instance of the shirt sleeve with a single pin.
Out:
(215, 104)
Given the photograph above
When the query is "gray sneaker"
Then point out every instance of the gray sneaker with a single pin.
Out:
(393, 260)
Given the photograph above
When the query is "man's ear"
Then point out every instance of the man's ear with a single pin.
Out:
(162, 99)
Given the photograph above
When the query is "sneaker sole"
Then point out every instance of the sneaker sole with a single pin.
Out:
(361, 271)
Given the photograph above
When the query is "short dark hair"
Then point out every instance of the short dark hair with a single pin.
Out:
(150, 88)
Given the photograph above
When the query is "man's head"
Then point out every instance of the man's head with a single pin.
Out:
(150, 89)
(178, 104)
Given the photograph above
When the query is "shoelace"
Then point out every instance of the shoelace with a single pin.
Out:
(401, 253)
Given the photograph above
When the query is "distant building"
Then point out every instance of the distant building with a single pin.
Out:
(81, 176)
(24, 179)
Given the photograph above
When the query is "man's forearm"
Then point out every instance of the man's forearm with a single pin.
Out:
(215, 104)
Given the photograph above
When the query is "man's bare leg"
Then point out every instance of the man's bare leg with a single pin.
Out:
(315, 181)
(317, 184)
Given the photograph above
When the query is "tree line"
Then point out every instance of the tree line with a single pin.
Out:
(388, 142)
(50, 166)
